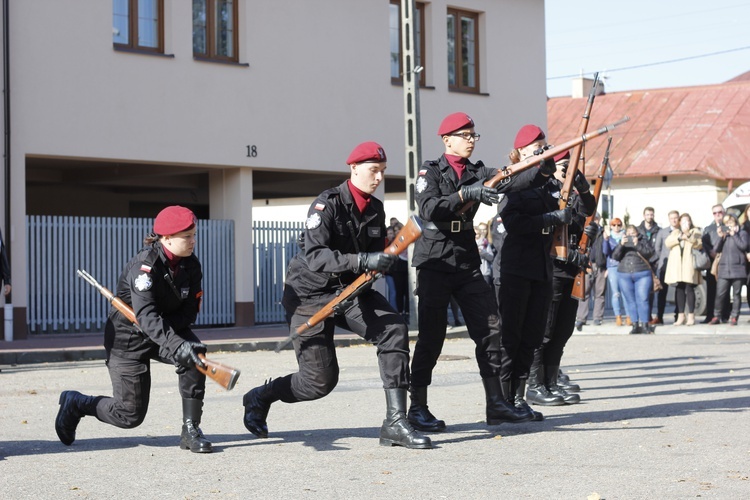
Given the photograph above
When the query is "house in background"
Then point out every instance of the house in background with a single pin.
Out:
(118, 108)
(683, 149)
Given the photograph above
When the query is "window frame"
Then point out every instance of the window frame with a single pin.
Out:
(211, 54)
(460, 85)
(132, 44)
(421, 44)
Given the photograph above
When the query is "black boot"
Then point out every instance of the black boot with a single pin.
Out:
(536, 392)
(499, 410)
(396, 429)
(637, 328)
(520, 401)
(550, 382)
(419, 414)
(192, 437)
(257, 402)
(564, 381)
(73, 407)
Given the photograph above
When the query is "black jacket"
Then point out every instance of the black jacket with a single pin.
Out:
(436, 191)
(629, 255)
(335, 233)
(733, 249)
(582, 205)
(164, 304)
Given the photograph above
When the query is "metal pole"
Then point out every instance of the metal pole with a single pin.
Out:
(6, 111)
(410, 74)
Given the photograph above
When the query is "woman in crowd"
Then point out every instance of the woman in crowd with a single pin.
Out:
(732, 270)
(612, 238)
(680, 269)
(634, 277)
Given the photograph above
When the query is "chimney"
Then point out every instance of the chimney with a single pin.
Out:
(582, 87)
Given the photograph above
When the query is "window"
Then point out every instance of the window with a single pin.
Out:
(215, 30)
(138, 25)
(395, 36)
(463, 50)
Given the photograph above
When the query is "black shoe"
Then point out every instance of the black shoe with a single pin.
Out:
(579, 325)
(500, 408)
(419, 414)
(538, 394)
(637, 328)
(257, 403)
(192, 437)
(73, 407)
(396, 429)
(706, 320)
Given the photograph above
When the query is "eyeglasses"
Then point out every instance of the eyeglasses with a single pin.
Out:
(468, 136)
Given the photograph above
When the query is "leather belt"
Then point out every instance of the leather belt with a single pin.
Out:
(454, 226)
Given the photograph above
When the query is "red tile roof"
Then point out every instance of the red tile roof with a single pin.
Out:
(702, 131)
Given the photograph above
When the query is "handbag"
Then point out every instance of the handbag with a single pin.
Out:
(701, 261)
(654, 278)
(715, 266)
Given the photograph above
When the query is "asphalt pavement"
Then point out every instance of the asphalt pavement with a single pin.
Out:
(662, 416)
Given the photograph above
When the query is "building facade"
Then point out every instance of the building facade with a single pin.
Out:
(219, 105)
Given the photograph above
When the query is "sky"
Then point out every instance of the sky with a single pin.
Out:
(631, 43)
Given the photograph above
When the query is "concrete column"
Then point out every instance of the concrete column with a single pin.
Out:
(231, 197)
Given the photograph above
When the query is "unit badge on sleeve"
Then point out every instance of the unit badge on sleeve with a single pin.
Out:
(143, 282)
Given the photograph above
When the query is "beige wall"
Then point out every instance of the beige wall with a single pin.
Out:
(316, 84)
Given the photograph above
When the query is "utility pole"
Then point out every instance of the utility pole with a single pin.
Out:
(410, 74)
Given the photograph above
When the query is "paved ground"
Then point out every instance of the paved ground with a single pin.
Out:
(663, 416)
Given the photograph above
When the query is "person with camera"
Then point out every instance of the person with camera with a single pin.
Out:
(634, 277)
(731, 251)
(681, 270)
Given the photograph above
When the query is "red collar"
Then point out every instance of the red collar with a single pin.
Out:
(457, 163)
(361, 199)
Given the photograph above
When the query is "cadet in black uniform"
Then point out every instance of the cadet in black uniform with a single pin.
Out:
(447, 262)
(344, 236)
(530, 217)
(543, 388)
(162, 284)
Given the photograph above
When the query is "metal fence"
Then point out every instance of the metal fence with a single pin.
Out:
(275, 243)
(59, 301)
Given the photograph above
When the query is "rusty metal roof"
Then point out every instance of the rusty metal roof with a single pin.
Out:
(703, 130)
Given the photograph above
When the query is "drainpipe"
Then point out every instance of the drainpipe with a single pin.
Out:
(6, 109)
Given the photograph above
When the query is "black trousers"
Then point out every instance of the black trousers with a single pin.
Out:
(561, 320)
(711, 309)
(477, 302)
(131, 389)
(372, 318)
(525, 305)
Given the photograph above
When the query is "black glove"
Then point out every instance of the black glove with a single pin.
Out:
(580, 182)
(377, 261)
(558, 217)
(592, 231)
(479, 192)
(547, 166)
(580, 260)
(187, 355)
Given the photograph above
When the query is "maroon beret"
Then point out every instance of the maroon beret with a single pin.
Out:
(527, 135)
(562, 156)
(173, 220)
(453, 122)
(367, 151)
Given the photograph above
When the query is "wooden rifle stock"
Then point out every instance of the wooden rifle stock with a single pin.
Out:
(411, 231)
(560, 238)
(550, 153)
(225, 376)
(579, 283)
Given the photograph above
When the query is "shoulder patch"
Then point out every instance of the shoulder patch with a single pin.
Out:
(313, 221)
(145, 268)
(422, 172)
(143, 282)
(320, 206)
(421, 184)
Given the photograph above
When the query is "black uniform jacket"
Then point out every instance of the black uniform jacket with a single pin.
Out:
(447, 243)
(335, 232)
(163, 304)
(583, 205)
(527, 245)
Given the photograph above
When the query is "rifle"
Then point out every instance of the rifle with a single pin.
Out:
(225, 376)
(550, 153)
(579, 284)
(560, 238)
(408, 234)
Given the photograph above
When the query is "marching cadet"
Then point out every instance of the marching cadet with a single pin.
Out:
(344, 236)
(162, 284)
(447, 262)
